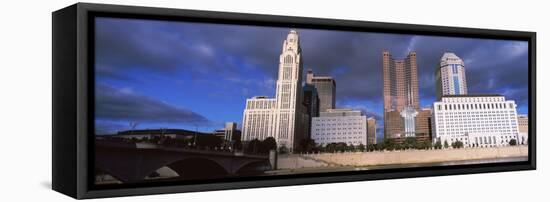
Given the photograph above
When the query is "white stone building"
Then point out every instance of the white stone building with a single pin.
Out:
(258, 118)
(280, 117)
(475, 120)
(451, 76)
(340, 125)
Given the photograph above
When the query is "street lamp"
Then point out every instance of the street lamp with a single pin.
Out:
(195, 138)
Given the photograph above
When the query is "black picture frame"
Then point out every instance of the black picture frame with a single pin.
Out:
(73, 99)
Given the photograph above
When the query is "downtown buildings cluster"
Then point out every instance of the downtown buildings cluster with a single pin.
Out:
(302, 111)
(306, 110)
(475, 120)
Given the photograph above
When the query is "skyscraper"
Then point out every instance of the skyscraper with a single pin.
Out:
(451, 76)
(400, 91)
(326, 90)
(280, 117)
(371, 130)
(311, 105)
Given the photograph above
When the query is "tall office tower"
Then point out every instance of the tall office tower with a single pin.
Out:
(289, 93)
(326, 89)
(283, 116)
(400, 91)
(371, 130)
(451, 76)
(311, 105)
(311, 100)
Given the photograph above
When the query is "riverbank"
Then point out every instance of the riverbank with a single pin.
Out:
(380, 158)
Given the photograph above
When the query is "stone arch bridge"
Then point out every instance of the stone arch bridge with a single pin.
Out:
(133, 162)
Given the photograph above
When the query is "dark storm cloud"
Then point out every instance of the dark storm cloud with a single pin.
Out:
(492, 66)
(354, 59)
(163, 47)
(125, 105)
(357, 55)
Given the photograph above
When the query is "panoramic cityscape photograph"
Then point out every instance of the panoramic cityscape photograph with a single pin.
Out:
(177, 101)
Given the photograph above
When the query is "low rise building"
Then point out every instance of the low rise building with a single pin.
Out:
(475, 120)
(229, 133)
(523, 124)
(340, 125)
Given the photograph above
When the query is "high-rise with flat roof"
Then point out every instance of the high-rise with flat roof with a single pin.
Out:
(311, 105)
(326, 90)
(450, 76)
(400, 92)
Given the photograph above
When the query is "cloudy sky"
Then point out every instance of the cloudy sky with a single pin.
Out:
(162, 74)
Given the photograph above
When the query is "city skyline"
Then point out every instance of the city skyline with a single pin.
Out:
(191, 58)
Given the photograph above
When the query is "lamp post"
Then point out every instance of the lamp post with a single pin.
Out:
(195, 138)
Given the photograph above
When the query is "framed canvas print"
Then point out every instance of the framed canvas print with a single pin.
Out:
(154, 100)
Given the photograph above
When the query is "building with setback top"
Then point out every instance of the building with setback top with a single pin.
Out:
(281, 117)
(326, 90)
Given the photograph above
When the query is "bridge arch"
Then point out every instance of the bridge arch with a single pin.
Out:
(253, 168)
(106, 177)
(198, 168)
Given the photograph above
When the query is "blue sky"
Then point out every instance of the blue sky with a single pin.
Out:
(165, 74)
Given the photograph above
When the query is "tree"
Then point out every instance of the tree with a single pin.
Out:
(307, 145)
(238, 145)
(350, 148)
(331, 147)
(370, 147)
(457, 145)
(268, 144)
(513, 142)
(361, 147)
(423, 145)
(389, 144)
(252, 146)
(379, 146)
(446, 144)
(341, 147)
(208, 141)
(438, 145)
(410, 142)
(283, 150)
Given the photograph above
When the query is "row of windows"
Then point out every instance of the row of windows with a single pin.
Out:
(347, 119)
(473, 99)
(484, 140)
(475, 106)
(350, 128)
(339, 124)
(338, 133)
(267, 104)
(340, 138)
